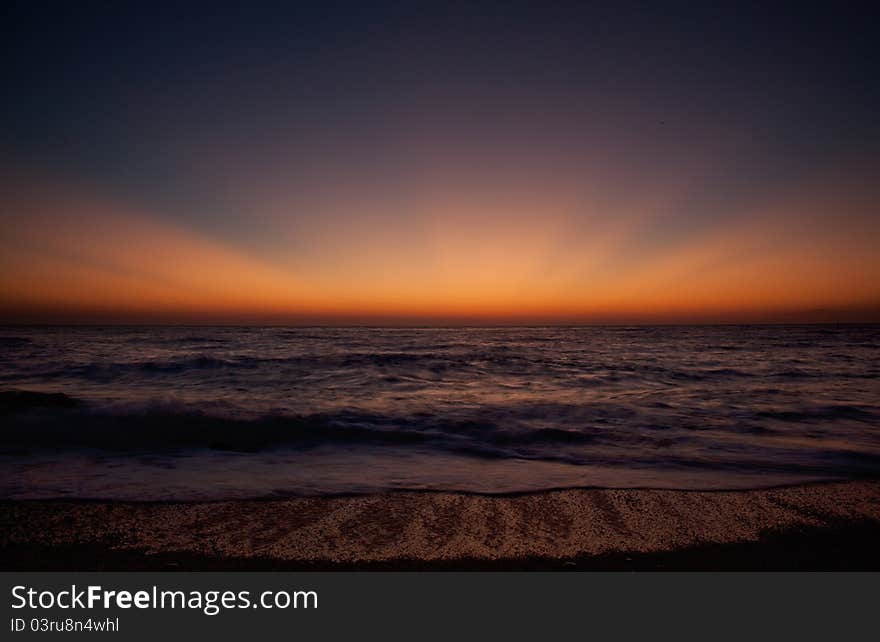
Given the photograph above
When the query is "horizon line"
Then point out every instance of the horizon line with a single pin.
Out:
(431, 326)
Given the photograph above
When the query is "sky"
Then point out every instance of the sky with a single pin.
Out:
(418, 163)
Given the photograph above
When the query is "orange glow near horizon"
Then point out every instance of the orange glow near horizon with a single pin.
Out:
(523, 256)
(542, 163)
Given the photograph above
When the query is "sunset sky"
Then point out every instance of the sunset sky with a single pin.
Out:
(449, 163)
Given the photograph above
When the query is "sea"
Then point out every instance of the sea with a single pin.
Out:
(211, 413)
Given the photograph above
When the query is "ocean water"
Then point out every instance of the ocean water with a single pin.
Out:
(154, 413)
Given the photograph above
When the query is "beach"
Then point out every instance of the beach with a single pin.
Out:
(804, 527)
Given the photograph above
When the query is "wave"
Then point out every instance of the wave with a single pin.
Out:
(822, 413)
(608, 436)
(159, 431)
(164, 432)
(105, 371)
(16, 401)
(588, 365)
(193, 363)
(55, 421)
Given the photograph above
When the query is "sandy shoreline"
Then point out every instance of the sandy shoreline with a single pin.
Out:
(812, 527)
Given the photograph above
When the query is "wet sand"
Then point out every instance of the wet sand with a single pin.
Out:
(810, 527)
